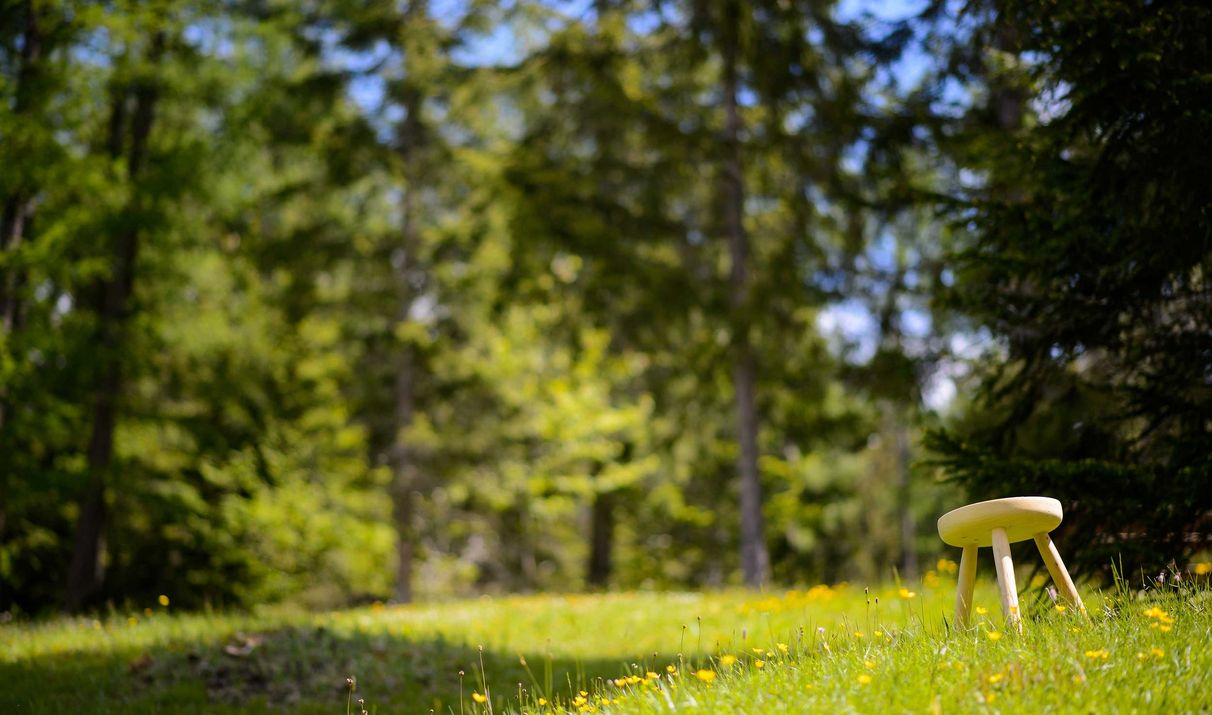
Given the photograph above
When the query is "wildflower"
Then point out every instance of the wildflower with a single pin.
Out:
(1059, 608)
(947, 566)
(619, 682)
(542, 701)
(1203, 568)
(981, 610)
(478, 697)
(864, 679)
(759, 651)
(705, 675)
(1096, 654)
(869, 663)
(1164, 629)
(996, 678)
(163, 600)
(1157, 652)
(859, 634)
(994, 635)
(671, 669)
(1159, 614)
(783, 647)
(906, 593)
(727, 660)
(759, 664)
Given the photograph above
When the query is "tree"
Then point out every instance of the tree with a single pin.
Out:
(1092, 272)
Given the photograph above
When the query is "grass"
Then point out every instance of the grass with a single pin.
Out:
(826, 648)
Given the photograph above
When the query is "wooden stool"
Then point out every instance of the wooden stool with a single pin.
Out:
(999, 523)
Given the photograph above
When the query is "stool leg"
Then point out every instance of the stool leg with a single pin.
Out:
(963, 587)
(1056, 567)
(1005, 578)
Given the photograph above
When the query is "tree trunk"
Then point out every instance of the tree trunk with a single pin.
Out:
(755, 562)
(85, 572)
(601, 541)
(16, 213)
(909, 567)
(407, 275)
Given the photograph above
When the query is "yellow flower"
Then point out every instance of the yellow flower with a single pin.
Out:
(869, 663)
(864, 679)
(994, 635)
(1157, 652)
(906, 593)
(997, 677)
(1203, 568)
(759, 664)
(759, 651)
(1096, 654)
(859, 634)
(947, 566)
(671, 669)
(651, 675)
(705, 675)
(619, 682)
(1164, 629)
(163, 600)
(981, 610)
(1059, 608)
(783, 648)
(727, 660)
(542, 701)
(478, 698)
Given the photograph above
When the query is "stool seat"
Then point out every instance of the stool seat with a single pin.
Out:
(1021, 518)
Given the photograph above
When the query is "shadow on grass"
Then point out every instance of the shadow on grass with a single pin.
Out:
(291, 669)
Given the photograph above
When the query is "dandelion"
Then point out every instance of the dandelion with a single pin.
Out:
(759, 664)
(1097, 654)
(651, 675)
(981, 610)
(163, 600)
(478, 697)
(783, 647)
(542, 701)
(671, 669)
(864, 679)
(996, 678)
(994, 635)
(727, 660)
(1059, 608)
(1157, 652)
(1203, 568)
(859, 634)
(906, 593)
(947, 566)
(759, 651)
(705, 675)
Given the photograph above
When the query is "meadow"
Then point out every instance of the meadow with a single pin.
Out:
(1141, 647)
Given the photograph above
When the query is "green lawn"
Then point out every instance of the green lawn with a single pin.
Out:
(821, 649)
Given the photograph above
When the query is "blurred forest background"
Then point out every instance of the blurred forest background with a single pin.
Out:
(339, 300)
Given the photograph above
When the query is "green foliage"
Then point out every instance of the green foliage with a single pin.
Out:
(1089, 262)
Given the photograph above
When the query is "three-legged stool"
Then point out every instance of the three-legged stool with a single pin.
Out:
(999, 523)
